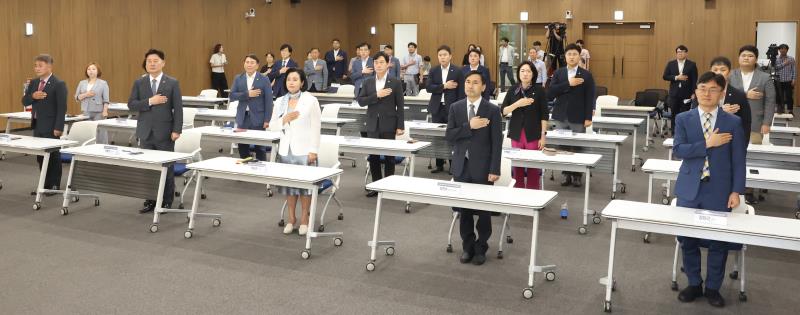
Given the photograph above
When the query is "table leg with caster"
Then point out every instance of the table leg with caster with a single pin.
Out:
(533, 268)
(37, 204)
(608, 281)
(159, 199)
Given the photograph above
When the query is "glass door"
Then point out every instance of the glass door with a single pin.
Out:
(516, 35)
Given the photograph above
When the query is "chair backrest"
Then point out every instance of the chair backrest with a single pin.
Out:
(506, 142)
(188, 142)
(662, 93)
(424, 93)
(188, 116)
(600, 90)
(82, 131)
(328, 153)
(506, 179)
(346, 89)
(405, 136)
(209, 93)
(607, 100)
(330, 111)
(501, 96)
(644, 98)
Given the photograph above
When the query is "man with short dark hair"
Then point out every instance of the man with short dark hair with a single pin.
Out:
(336, 59)
(475, 131)
(573, 89)
(712, 175)
(316, 73)
(47, 96)
(253, 92)
(411, 66)
(156, 97)
(787, 73)
(759, 89)
(278, 73)
(681, 73)
(394, 63)
(506, 54)
(732, 100)
(445, 83)
(362, 67)
(382, 94)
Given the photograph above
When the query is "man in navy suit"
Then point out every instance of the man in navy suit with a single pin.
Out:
(475, 131)
(712, 175)
(363, 67)
(336, 59)
(573, 89)
(254, 94)
(681, 73)
(445, 83)
(394, 63)
(278, 73)
(47, 95)
(474, 64)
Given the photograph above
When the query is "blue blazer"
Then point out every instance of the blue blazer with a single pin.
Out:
(336, 69)
(726, 162)
(487, 79)
(279, 78)
(436, 88)
(357, 76)
(394, 71)
(260, 107)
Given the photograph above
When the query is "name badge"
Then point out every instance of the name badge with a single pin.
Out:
(258, 166)
(449, 186)
(110, 149)
(5, 138)
(711, 218)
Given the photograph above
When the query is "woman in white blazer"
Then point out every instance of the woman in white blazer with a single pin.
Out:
(296, 116)
(92, 93)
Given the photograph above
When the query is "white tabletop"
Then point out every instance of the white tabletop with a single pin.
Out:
(27, 116)
(668, 142)
(597, 137)
(485, 194)
(126, 154)
(377, 144)
(295, 173)
(332, 120)
(765, 174)
(626, 108)
(584, 159)
(774, 227)
(780, 129)
(773, 149)
(659, 165)
(617, 120)
(784, 116)
(118, 107)
(247, 134)
(32, 143)
(416, 124)
(118, 122)
(349, 106)
(202, 99)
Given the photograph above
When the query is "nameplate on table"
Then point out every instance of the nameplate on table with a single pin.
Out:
(257, 166)
(226, 129)
(110, 149)
(510, 150)
(202, 109)
(563, 132)
(711, 218)
(449, 186)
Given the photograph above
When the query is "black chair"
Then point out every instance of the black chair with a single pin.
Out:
(601, 90)
(662, 94)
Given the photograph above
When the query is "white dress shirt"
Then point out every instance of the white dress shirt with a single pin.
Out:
(703, 118)
(504, 54)
(380, 83)
(746, 79)
(218, 59)
(150, 82)
(572, 72)
(444, 78)
(477, 104)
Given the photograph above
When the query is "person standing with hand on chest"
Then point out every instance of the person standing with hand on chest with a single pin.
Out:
(253, 92)
(445, 83)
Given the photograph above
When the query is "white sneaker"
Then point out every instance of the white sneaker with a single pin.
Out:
(302, 230)
(288, 228)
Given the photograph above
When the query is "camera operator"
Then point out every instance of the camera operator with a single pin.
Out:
(786, 67)
(556, 34)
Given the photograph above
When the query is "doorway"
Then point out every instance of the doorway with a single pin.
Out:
(621, 56)
(517, 39)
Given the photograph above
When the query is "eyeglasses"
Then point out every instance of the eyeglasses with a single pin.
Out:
(708, 91)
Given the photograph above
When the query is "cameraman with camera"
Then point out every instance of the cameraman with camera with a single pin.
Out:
(786, 67)
(556, 34)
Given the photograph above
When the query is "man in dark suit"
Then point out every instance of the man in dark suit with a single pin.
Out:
(254, 94)
(394, 63)
(383, 96)
(336, 59)
(733, 100)
(363, 67)
(278, 73)
(712, 175)
(475, 131)
(48, 97)
(573, 89)
(445, 83)
(681, 74)
(157, 99)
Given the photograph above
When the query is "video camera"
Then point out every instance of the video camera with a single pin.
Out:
(557, 26)
(772, 53)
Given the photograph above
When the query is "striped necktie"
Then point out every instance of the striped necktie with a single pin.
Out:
(706, 133)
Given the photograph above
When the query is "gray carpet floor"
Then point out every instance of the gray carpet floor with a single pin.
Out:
(103, 260)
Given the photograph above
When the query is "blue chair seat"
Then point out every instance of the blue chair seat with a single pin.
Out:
(325, 185)
(731, 246)
(397, 159)
(179, 169)
(66, 158)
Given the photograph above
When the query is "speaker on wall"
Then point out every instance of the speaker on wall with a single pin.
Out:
(448, 3)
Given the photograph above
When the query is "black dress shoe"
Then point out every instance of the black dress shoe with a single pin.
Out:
(372, 194)
(466, 258)
(147, 208)
(690, 293)
(750, 199)
(48, 194)
(566, 181)
(576, 180)
(437, 170)
(714, 298)
(479, 259)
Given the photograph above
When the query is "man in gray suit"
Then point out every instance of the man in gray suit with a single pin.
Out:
(760, 92)
(316, 72)
(157, 99)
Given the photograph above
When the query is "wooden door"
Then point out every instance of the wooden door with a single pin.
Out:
(603, 50)
(621, 57)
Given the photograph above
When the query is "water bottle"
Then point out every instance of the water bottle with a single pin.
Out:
(564, 211)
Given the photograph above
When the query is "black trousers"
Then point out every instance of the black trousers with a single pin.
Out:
(53, 176)
(244, 148)
(677, 106)
(151, 143)
(375, 160)
(471, 243)
(441, 118)
(220, 83)
(786, 96)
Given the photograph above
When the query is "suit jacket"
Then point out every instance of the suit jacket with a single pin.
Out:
(302, 135)
(394, 71)
(160, 120)
(436, 87)
(512, 51)
(50, 111)
(572, 103)
(487, 79)
(336, 68)
(764, 109)
(260, 107)
(529, 117)
(484, 144)
(95, 103)
(318, 78)
(278, 90)
(357, 76)
(726, 162)
(383, 114)
(687, 87)
(734, 96)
